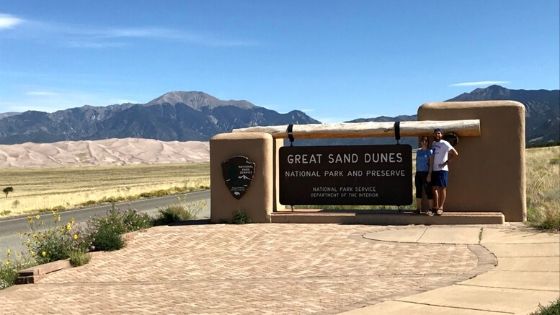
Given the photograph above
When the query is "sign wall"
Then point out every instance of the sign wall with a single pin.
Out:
(346, 175)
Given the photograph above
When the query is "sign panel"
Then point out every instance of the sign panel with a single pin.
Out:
(346, 175)
(238, 173)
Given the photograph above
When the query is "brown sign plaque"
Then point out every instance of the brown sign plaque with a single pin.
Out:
(346, 175)
(238, 173)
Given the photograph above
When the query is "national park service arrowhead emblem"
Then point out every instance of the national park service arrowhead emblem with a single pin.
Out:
(238, 173)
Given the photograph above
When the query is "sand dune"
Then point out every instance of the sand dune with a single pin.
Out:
(102, 152)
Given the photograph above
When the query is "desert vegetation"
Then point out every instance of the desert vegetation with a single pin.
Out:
(543, 187)
(551, 309)
(43, 189)
(72, 241)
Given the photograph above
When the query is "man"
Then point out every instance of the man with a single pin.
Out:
(443, 152)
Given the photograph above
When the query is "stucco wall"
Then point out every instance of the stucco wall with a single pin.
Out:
(489, 174)
(257, 202)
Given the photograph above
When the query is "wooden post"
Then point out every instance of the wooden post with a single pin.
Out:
(463, 128)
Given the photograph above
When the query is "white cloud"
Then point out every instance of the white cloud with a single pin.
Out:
(41, 93)
(88, 36)
(9, 21)
(159, 33)
(479, 83)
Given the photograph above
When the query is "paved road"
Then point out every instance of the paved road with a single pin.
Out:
(10, 229)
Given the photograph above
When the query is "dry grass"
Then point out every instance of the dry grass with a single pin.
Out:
(47, 188)
(543, 187)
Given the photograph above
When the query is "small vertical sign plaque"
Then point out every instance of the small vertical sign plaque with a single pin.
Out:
(238, 173)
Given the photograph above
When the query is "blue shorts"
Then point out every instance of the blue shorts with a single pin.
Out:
(439, 178)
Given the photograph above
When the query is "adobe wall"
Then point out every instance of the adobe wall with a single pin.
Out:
(257, 202)
(489, 174)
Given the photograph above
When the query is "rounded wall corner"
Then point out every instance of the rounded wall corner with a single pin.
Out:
(242, 136)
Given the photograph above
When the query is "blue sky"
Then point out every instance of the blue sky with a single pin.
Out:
(335, 60)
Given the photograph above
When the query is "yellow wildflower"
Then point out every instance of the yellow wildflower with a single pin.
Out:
(68, 226)
(37, 217)
(75, 236)
(44, 253)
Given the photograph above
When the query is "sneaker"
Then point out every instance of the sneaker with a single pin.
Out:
(439, 211)
(430, 213)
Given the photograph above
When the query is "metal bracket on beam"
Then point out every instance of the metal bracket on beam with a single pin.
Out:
(290, 134)
(397, 128)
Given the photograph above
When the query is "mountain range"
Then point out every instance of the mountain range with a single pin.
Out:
(542, 111)
(186, 116)
(173, 116)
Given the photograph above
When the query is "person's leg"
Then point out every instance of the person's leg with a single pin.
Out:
(429, 194)
(442, 195)
(435, 200)
(440, 200)
(435, 194)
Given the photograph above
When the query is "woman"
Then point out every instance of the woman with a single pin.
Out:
(420, 179)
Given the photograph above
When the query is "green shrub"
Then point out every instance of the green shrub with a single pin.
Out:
(134, 221)
(106, 237)
(179, 212)
(105, 232)
(10, 266)
(8, 275)
(240, 217)
(55, 243)
(79, 258)
(552, 309)
(545, 218)
(171, 214)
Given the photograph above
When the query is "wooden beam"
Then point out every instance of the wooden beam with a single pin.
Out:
(463, 128)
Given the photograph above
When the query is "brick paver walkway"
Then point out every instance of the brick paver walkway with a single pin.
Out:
(243, 269)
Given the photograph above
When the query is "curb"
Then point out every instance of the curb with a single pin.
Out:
(34, 274)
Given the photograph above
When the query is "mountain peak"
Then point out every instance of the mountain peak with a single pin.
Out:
(197, 100)
(492, 92)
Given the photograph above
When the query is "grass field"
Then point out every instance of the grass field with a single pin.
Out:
(543, 187)
(47, 188)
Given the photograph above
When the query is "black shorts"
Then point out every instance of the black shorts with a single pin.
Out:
(422, 185)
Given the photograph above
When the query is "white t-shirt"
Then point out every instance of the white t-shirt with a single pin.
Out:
(441, 149)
